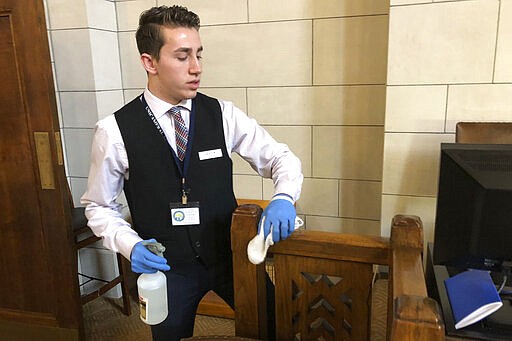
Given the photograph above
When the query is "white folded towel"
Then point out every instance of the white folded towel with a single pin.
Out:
(257, 247)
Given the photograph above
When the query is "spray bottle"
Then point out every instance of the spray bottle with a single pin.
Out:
(152, 290)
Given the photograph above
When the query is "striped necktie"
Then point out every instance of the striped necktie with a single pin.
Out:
(181, 132)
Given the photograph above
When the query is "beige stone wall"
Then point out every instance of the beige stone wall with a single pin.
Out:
(85, 56)
(312, 72)
(364, 110)
(448, 61)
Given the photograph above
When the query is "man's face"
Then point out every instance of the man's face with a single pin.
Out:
(175, 76)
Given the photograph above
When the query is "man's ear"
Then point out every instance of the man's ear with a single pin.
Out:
(148, 63)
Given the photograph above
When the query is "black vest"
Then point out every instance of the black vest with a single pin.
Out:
(155, 181)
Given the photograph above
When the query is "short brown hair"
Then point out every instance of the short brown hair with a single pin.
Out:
(149, 39)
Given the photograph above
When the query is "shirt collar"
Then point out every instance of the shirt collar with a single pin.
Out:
(160, 107)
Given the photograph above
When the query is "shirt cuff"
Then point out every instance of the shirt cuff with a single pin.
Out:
(283, 196)
(126, 244)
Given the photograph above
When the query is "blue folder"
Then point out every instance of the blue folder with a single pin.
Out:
(473, 296)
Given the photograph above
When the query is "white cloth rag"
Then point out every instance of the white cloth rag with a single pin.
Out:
(257, 247)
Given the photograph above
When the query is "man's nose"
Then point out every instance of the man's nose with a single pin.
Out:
(195, 66)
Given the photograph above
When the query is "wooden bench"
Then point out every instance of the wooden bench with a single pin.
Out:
(323, 283)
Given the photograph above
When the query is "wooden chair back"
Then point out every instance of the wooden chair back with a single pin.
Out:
(84, 237)
(323, 283)
(484, 132)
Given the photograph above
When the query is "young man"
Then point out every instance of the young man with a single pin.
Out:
(170, 149)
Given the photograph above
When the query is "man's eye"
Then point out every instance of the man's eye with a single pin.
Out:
(182, 58)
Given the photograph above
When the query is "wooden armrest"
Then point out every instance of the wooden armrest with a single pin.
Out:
(414, 315)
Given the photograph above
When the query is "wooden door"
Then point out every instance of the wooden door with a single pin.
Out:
(39, 295)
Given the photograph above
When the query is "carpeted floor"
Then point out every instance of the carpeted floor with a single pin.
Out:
(379, 310)
(103, 320)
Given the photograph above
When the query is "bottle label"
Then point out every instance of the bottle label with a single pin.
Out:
(143, 308)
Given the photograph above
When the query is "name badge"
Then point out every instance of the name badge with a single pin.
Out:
(210, 154)
(187, 214)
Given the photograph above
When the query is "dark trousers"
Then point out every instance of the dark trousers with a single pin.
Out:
(186, 286)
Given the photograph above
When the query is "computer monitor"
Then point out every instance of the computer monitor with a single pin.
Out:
(473, 226)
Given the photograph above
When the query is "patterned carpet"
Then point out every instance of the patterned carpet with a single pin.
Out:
(104, 320)
(379, 310)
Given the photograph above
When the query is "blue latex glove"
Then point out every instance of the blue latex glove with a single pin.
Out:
(145, 261)
(280, 214)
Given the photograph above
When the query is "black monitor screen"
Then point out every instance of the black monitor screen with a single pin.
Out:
(473, 227)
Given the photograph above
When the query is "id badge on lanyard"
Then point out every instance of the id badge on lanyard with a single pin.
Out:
(185, 214)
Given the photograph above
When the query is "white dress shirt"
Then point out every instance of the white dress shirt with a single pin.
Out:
(109, 165)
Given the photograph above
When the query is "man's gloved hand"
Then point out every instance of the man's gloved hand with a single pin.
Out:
(280, 214)
(145, 261)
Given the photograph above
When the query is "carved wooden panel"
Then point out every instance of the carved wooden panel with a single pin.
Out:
(321, 299)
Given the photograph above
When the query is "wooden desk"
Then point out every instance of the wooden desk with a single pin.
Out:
(491, 328)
